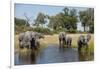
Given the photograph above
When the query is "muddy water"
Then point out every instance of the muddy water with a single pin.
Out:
(51, 54)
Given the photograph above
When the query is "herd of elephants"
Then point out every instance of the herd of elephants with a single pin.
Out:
(30, 39)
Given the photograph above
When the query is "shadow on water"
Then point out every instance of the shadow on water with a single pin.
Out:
(51, 54)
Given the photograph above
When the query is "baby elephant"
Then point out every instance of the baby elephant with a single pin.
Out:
(83, 41)
(68, 41)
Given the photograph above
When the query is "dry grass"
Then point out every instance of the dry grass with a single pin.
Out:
(53, 39)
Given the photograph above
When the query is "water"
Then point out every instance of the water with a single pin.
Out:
(51, 54)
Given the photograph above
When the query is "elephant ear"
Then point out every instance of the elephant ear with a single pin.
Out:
(37, 35)
(21, 36)
(88, 37)
(40, 35)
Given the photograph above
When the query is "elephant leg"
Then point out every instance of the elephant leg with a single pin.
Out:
(67, 43)
(79, 48)
(59, 42)
(64, 42)
(28, 45)
(37, 44)
(70, 43)
(21, 45)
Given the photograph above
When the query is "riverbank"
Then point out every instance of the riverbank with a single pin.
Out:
(53, 39)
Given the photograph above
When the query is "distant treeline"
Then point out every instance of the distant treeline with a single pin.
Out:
(66, 20)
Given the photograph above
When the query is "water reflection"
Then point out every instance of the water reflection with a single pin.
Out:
(33, 57)
(25, 57)
(51, 54)
(84, 56)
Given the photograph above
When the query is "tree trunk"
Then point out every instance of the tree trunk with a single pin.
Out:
(84, 29)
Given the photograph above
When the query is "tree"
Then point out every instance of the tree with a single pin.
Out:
(83, 18)
(56, 22)
(90, 13)
(66, 11)
(87, 19)
(19, 22)
(70, 18)
(40, 20)
(19, 25)
(27, 20)
(66, 19)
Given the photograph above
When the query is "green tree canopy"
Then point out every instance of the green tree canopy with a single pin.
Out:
(65, 19)
(87, 19)
(40, 20)
(19, 22)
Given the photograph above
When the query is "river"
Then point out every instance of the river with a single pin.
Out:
(50, 54)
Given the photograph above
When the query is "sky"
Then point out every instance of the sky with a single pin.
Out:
(32, 11)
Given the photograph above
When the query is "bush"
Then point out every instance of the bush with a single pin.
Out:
(19, 29)
(43, 30)
(65, 30)
(59, 30)
(73, 31)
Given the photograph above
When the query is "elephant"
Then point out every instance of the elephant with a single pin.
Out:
(29, 39)
(83, 41)
(68, 41)
(62, 38)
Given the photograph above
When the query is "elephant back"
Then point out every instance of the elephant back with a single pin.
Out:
(27, 36)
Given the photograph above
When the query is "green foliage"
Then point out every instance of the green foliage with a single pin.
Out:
(43, 30)
(21, 25)
(87, 19)
(40, 20)
(19, 29)
(72, 31)
(56, 22)
(66, 19)
(19, 22)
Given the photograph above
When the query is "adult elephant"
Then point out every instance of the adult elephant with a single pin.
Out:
(62, 39)
(29, 39)
(83, 41)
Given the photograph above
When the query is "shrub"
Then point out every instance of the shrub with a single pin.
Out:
(73, 31)
(19, 29)
(43, 30)
(65, 30)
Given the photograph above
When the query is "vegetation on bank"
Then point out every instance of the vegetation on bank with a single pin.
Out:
(66, 21)
(53, 39)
